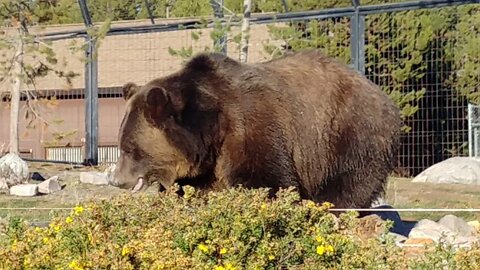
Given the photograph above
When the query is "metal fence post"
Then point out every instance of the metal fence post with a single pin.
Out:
(285, 5)
(470, 133)
(91, 94)
(149, 10)
(247, 6)
(217, 6)
(357, 38)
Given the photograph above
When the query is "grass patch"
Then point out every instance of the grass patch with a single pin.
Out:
(402, 193)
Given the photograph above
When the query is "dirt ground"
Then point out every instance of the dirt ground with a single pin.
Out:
(72, 194)
(401, 193)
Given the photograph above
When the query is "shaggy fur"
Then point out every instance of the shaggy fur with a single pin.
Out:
(304, 120)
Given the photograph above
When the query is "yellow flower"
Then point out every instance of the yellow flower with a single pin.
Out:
(320, 250)
(223, 250)
(78, 210)
(263, 206)
(229, 266)
(90, 238)
(310, 204)
(14, 245)
(319, 238)
(271, 257)
(26, 262)
(45, 240)
(38, 229)
(203, 248)
(69, 220)
(125, 251)
(327, 205)
(57, 228)
(75, 265)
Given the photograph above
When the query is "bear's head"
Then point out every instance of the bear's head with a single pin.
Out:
(171, 125)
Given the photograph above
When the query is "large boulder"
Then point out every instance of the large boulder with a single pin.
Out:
(455, 170)
(452, 229)
(13, 171)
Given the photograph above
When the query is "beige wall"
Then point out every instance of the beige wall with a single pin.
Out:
(136, 57)
(65, 116)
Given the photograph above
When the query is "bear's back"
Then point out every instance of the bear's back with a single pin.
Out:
(337, 120)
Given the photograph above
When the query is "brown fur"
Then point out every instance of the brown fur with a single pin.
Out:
(303, 120)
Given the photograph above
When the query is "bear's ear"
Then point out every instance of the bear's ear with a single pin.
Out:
(128, 90)
(159, 107)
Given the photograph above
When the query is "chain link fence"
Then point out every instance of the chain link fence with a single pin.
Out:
(412, 50)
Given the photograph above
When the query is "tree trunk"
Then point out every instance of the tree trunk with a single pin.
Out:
(15, 94)
(219, 44)
(247, 6)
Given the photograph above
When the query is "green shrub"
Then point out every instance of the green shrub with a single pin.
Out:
(233, 229)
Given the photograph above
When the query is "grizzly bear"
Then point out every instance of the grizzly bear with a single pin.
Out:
(303, 120)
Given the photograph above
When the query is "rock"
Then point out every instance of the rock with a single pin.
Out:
(464, 240)
(455, 170)
(413, 247)
(399, 226)
(24, 190)
(50, 185)
(453, 229)
(370, 226)
(13, 171)
(426, 228)
(94, 178)
(109, 172)
(3, 186)
(418, 241)
(398, 237)
(457, 225)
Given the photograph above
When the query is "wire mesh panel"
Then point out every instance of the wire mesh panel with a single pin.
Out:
(137, 58)
(473, 130)
(331, 35)
(422, 58)
(414, 57)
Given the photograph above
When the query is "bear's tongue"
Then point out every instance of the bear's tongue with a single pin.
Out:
(139, 185)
